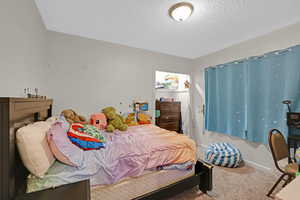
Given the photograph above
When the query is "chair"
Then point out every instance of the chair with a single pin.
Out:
(280, 151)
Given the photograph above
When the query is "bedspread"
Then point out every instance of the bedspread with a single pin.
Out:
(145, 147)
(127, 154)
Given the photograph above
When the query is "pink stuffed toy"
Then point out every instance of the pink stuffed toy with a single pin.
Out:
(99, 121)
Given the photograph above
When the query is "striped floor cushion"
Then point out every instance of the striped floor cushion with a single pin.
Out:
(223, 154)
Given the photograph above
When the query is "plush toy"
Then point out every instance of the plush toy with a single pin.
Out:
(99, 121)
(130, 120)
(144, 118)
(72, 117)
(115, 121)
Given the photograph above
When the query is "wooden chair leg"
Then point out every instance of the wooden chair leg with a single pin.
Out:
(287, 181)
(275, 185)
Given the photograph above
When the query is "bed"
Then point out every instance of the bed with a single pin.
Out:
(17, 112)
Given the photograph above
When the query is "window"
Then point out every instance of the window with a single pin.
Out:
(243, 98)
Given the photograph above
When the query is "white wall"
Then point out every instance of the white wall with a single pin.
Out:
(253, 152)
(87, 75)
(22, 47)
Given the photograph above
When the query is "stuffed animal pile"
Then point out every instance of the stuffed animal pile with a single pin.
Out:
(114, 120)
(82, 134)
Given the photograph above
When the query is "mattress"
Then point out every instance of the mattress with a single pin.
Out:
(131, 188)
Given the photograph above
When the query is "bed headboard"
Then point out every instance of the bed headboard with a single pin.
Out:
(16, 113)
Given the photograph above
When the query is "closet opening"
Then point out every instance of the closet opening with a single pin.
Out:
(172, 105)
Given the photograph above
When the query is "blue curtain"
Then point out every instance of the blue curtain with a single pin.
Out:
(226, 99)
(244, 98)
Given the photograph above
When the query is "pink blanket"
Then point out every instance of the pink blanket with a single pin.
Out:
(144, 147)
(127, 154)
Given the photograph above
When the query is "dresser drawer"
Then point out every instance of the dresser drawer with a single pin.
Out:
(167, 107)
(171, 126)
(169, 115)
(170, 118)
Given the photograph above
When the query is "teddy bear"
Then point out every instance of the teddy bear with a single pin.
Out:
(144, 118)
(72, 117)
(130, 120)
(115, 121)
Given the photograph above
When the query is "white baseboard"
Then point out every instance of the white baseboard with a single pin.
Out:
(257, 166)
(247, 162)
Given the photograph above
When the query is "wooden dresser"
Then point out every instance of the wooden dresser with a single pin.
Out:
(169, 115)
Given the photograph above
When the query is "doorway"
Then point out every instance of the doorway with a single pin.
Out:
(174, 89)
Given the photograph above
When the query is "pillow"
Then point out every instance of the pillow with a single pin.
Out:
(64, 123)
(81, 136)
(34, 149)
(94, 132)
(52, 120)
(62, 147)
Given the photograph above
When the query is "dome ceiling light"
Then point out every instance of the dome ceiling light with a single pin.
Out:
(181, 11)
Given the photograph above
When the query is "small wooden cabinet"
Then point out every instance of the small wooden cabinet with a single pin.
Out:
(169, 116)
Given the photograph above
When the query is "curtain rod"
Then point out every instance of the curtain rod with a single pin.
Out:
(276, 52)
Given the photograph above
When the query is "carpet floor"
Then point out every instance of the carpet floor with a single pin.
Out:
(244, 183)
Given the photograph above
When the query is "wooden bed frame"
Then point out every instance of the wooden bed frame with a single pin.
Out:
(18, 112)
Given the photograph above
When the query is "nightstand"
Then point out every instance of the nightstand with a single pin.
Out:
(74, 191)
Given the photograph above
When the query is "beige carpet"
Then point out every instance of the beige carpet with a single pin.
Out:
(245, 183)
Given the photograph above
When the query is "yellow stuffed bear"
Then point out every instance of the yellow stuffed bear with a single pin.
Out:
(114, 120)
(130, 120)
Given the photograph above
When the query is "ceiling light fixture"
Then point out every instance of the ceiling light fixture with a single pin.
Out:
(181, 11)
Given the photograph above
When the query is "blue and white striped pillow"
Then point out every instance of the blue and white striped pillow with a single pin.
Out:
(223, 154)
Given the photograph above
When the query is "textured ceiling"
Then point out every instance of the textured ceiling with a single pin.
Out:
(145, 24)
